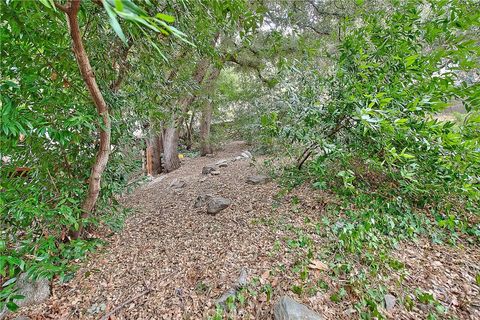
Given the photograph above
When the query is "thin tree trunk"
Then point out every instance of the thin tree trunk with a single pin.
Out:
(170, 153)
(205, 123)
(206, 118)
(71, 10)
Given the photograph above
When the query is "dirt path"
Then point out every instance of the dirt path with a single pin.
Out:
(185, 256)
(188, 258)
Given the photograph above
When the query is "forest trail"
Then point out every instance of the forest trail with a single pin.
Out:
(185, 256)
(187, 259)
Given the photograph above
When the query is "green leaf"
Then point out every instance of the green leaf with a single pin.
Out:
(114, 22)
(12, 306)
(165, 17)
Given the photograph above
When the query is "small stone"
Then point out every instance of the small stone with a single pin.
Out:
(224, 297)
(222, 163)
(217, 204)
(215, 173)
(259, 179)
(242, 279)
(203, 179)
(390, 302)
(208, 169)
(238, 158)
(288, 309)
(247, 153)
(210, 155)
(177, 184)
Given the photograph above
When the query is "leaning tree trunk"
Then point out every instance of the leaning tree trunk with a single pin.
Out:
(170, 153)
(71, 10)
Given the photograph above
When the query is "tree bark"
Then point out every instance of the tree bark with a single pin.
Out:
(71, 10)
(205, 123)
(206, 118)
(157, 150)
(170, 152)
(171, 134)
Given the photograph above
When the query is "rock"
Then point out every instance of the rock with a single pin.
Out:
(208, 169)
(177, 184)
(247, 154)
(259, 179)
(203, 179)
(210, 155)
(34, 291)
(217, 204)
(242, 279)
(390, 302)
(215, 173)
(224, 297)
(241, 282)
(202, 200)
(222, 163)
(288, 309)
(238, 158)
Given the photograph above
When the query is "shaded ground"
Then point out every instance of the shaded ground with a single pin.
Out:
(188, 258)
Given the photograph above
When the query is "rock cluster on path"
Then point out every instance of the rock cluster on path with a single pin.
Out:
(288, 309)
(258, 179)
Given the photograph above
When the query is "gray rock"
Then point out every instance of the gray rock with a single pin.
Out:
(259, 179)
(177, 184)
(390, 302)
(215, 173)
(34, 291)
(208, 169)
(288, 309)
(238, 158)
(217, 204)
(222, 163)
(242, 279)
(241, 282)
(247, 154)
(202, 200)
(224, 297)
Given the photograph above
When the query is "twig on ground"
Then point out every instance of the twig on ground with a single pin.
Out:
(105, 317)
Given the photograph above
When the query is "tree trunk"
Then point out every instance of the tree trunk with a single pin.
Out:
(170, 153)
(157, 149)
(205, 122)
(206, 118)
(101, 159)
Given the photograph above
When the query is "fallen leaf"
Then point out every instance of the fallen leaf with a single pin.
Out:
(318, 265)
